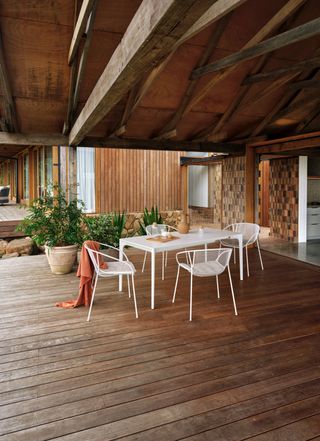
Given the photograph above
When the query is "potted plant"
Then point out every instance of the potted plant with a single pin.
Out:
(56, 223)
(150, 218)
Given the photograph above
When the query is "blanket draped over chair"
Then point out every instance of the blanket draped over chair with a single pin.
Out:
(85, 272)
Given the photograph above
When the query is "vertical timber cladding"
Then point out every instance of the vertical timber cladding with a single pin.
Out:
(131, 180)
(284, 186)
(233, 190)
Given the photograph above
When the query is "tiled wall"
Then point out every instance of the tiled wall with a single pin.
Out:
(215, 185)
(284, 186)
(233, 190)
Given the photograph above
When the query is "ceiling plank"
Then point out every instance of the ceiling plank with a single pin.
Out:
(166, 144)
(274, 23)
(32, 139)
(271, 75)
(192, 84)
(307, 30)
(217, 11)
(149, 38)
(79, 29)
(10, 117)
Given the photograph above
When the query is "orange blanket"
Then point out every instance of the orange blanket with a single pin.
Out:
(85, 272)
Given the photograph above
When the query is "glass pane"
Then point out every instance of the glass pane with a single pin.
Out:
(48, 165)
(26, 177)
(86, 177)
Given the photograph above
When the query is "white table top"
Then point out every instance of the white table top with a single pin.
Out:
(193, 238)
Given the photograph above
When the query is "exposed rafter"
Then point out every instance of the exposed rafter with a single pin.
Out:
(274, 23)
(132, 97)
(295, 35)
(271, 75)
(77, 72)
(306, 84)
(140, 47)
(215, 13)
(79, 29)
(10, 121)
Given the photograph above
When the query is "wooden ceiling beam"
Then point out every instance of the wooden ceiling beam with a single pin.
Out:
(313, 114)
(299, 144)
(192, 84)
(79, 29)
(273, 24)
(32, 139)
(153, 144)
(271, 75)
(302, 32)
(149, 38)
(217, 11)
(10, 116)
(209, 160)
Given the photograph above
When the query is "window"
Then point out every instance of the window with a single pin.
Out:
(44, 168)
(26, 177)
(86, 177)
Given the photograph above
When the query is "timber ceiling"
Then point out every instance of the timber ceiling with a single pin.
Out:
(225, 106)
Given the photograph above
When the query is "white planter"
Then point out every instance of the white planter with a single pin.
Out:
(61, 259)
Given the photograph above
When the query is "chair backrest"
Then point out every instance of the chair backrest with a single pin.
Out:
(94, 256)
(221, 255)
(250, 232)
(157, 229)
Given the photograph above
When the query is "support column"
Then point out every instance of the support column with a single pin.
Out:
(184, 188)
(72, 173)
(55, 165)
(250, 184)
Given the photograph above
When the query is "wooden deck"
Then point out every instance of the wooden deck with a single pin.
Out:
(161, 378)
(10, 216)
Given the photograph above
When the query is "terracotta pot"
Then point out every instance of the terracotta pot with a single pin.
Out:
(61, 259)
(183, 226)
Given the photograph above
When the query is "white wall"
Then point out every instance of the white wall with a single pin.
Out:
(198, 183)
(302, 198)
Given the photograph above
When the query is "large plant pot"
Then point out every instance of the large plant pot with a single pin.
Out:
(61, 259)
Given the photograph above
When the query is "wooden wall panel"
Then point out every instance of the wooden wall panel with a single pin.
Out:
(131, 180)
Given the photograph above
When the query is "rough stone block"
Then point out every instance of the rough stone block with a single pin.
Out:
(22, 246)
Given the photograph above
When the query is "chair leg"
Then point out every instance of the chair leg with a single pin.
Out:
(176, 285)
(134, 296)
(247, 260)
(144, 261)
(190, 313)
(92, 297)
(232, 292)
(128, 281)
(258, 245)
(234, 256)
(162, 265)
(218, 290)
(166, 258)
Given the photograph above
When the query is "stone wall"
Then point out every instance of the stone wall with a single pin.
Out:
(233, 190)
(16, 247)
(215, 187)
(284, 188)
(133, 220)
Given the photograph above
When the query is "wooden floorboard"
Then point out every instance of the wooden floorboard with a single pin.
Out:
(221, 377)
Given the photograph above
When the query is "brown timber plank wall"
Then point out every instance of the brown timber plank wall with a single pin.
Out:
(131, 180)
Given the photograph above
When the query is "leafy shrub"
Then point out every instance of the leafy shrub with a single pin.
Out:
(149, 218)
(119, 221)
(53, 220)
(100, 228)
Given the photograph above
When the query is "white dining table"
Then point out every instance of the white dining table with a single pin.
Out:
(192, 239)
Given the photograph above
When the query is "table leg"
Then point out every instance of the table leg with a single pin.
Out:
(240, 257)
(153, 270)
(121, 247)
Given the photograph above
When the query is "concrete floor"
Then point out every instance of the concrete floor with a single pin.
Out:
(308, 252)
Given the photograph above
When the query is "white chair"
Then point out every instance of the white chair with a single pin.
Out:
(204, 263)
(115, 268)
(153, 230)
(250, 233)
